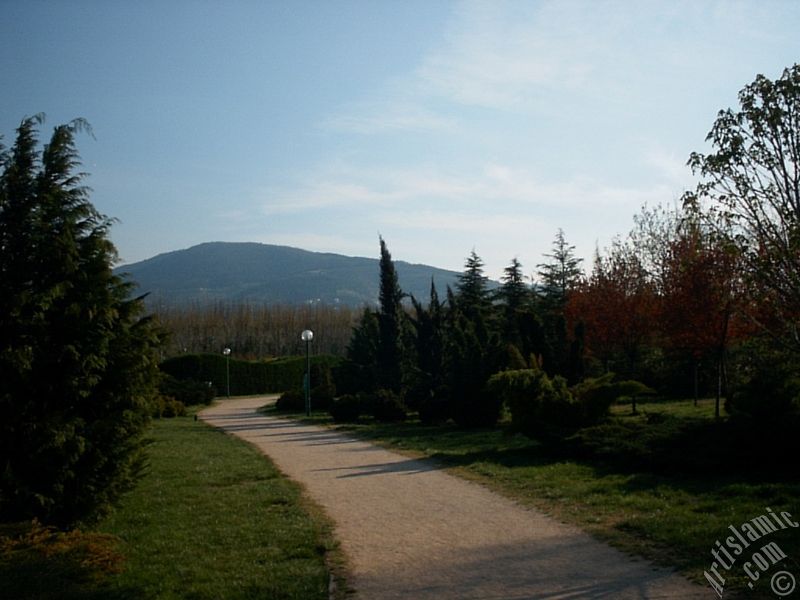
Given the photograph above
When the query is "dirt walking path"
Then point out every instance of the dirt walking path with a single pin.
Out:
(414, 532)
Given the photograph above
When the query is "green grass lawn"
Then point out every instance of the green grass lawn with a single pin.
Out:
(655, 485)
(213, 518)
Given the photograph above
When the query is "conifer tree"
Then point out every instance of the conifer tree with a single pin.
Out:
(472, 295)
(561, 274)
(390, 325)
(78, 361)
(558, 278)
(472, 352)
(513, 296)
(429, 338)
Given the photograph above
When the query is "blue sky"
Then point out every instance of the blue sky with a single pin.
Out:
(443, 126)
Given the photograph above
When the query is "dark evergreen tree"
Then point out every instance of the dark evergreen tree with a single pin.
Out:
(472, 294)
(561, 274)
(78, 361)
(558, 278)
(514, 292)
(471, 357)
(427, 374)
(514, 298)
(390, 357)
(359, 372)
(472, 350)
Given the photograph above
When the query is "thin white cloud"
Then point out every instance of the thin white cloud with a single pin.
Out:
(521, 57)
(434, 217)
(483, 190)
(325, 193)
(493, 55)
(388, 117)
(497, 54)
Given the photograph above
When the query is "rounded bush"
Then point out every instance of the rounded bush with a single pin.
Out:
(346, 409)
(291, 401)
(168, 407)
(769, 392)
(435, 408)
(386, 406)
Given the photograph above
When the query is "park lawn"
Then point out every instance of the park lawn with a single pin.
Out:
(679, 408)
(213, 518)
(672, 517)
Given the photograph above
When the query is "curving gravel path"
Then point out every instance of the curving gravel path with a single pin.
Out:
(412, 531)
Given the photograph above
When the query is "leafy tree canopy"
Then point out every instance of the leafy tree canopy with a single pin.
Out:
(751, 185)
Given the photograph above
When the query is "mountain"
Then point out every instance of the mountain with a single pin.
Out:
(263, 273)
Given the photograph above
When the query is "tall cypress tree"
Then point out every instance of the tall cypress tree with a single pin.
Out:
(427, 373)
(390, 325)
(78, 361)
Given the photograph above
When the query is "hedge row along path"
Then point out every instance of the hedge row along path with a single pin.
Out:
(410, 530)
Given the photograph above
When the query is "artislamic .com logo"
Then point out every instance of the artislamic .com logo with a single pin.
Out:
(759, 559)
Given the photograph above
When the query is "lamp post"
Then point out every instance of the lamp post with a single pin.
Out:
(227, 353)
(307, 336)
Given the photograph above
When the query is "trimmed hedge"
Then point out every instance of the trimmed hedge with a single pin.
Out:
(247, 377)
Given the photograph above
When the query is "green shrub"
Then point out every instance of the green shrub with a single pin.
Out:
(418, 391)
(323, 389)
(322, 392)
(346, 409)
(434, 407)
(768, 388)
(386, 406)
(518, 390)
(538, 402)
(557, 406)
(533, 399)
(168, 407)
(596, 395)
(291, 401)
(188, 391)
(174, 408)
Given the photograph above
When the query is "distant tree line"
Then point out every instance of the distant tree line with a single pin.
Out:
(255, 331)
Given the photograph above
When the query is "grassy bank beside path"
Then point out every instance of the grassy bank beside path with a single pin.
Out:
(213, 518)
